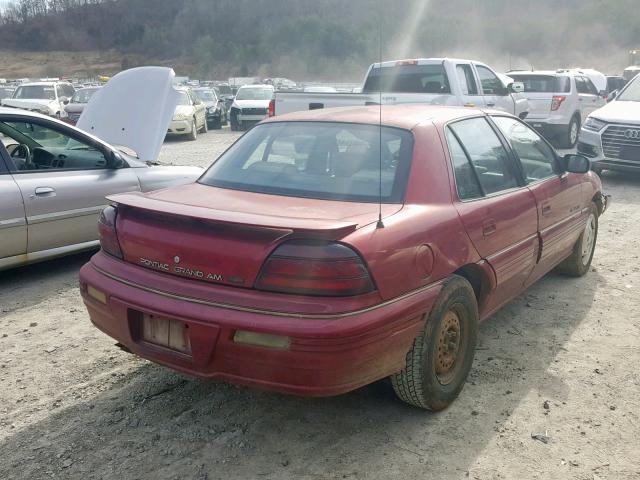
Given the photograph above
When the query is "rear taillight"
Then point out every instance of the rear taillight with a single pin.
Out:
(272, 108)
(107, 230)
(318, 268)
(556, 101)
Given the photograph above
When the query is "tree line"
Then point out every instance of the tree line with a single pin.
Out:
(328, 38)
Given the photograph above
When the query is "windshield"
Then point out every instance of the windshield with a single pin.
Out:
(334, 161)
(83, 96)
(40, 92)
(183, 98)
(408, 79)
(6, 92)
(631, 93)
(254, 94)
(224, 89)
(543, 83)
(206, 95)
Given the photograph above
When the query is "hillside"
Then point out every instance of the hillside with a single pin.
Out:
(326, 39)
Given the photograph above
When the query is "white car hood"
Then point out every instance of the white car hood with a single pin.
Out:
(619, 112)
(252, 103)
(27, 103)
(133, 110)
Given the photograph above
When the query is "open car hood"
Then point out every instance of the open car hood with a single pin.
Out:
(133, 110)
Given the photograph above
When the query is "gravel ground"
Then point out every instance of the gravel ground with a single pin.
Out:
(560, 361)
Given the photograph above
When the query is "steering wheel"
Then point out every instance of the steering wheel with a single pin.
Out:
(23, 151)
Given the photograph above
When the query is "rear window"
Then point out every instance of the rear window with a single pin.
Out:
(543, 83)
(408, 79)
(334, 161)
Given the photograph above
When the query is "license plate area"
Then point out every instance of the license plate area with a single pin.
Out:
(165, 332)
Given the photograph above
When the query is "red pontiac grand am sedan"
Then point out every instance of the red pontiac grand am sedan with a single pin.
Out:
(274, 269)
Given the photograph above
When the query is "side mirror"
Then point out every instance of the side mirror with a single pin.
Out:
(576, 163)
(115, 161)
(516, 87)
(603, 93)
(64, 100)
(612, 96)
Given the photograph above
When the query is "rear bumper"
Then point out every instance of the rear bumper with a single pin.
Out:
(179, 127)
(327, 355)
(548, 130)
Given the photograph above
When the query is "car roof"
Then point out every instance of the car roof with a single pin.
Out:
(46, 84)
(270, 87)
(405, 116)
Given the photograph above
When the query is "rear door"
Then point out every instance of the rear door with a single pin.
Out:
(64, 179)
(13, 224)
(468, 86)
(494, 93)
(587, 96)
(557, 194)
(498, 211)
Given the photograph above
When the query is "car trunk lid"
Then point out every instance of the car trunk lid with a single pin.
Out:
(224, 236)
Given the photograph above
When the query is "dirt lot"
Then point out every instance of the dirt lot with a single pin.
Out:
(561, 360)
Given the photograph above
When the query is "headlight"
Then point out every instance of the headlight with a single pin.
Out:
(180, 116)
(211, 109)
(594, 124)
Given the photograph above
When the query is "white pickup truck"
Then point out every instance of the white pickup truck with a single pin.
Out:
(436, 81)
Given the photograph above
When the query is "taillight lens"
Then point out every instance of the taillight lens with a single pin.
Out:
(556, 101)
(316, 268)
(272, 108)
(107, 230)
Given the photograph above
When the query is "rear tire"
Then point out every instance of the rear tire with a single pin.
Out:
(578, 263)
(441, 356)
(205, 127)
(571, 136)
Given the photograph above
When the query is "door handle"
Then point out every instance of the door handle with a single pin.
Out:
(491, 104)
(45, 192)
(546, 209)
(489, 227)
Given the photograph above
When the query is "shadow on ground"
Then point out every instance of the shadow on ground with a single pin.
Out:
(156, 424)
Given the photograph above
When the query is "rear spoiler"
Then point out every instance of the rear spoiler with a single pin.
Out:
(318, 228)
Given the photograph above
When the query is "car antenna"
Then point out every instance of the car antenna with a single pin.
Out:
(380, 224)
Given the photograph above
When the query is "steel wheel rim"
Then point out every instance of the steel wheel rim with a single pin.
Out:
(574, 133)
(588, 239)
(448, 356)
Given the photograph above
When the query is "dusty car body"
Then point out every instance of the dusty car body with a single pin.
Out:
(54, 177)
(345, 252)
(77, 103)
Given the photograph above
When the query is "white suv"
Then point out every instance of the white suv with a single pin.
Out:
(559, 102)
(48, 98)
(610, 136)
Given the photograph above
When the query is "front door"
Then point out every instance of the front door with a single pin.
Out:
(494, 93)
(64, 179)
(497, 210)
(557, 193)
(13, 225)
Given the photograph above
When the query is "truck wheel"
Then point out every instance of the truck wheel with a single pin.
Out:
(440, 358)
(573, 131)
(193, 134)
(578, 263)
(205, 126)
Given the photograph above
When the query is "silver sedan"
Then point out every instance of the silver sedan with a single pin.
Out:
(53, 182)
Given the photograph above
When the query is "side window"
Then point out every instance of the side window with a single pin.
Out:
(466, 182)
(38, 147)
(581, 85)
(591, 87)
(536, 157)
(491, 84)
(495, 170)
(466, 79)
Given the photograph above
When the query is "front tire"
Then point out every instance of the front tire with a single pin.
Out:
(578, 263)
(441, 356)
(193, 134)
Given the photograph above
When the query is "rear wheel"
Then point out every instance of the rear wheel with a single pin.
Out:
(205, 126)
(440, 358)
(578, 263)
(571, 137)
